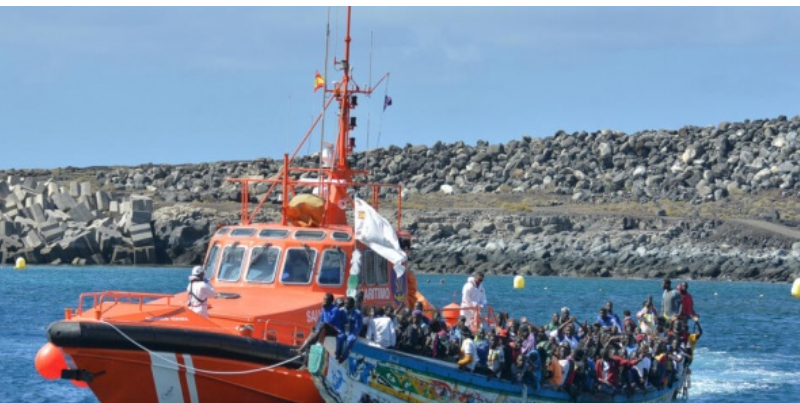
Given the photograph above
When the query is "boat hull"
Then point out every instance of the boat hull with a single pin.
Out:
(167, 369)
(372, 374)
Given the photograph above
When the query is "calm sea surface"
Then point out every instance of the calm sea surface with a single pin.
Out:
(749, 353)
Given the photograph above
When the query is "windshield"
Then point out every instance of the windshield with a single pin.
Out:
(231, 267)
(299, 265)
(263, 264)
(332, 267)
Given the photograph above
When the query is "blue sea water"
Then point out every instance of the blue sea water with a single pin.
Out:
(748, 353)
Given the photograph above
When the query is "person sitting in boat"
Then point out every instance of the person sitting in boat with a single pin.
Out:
(412, 339)
(473, 298)
(496, 358)
(380, 330)
(199, 291)
(559, 367)
(607, 321)
(628, 324)
(351, 329)
(439, 339)
(640, 372)
(469, 353)
(455, 330)
(482, 347)
(564, 318)
(329, 314)
(647, 316)
(610, 308)
(419, 306)
(609, 369)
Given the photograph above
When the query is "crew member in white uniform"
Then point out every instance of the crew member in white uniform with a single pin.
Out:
(199, 291)
(473, 296)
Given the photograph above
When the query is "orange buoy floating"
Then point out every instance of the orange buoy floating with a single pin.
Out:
(50, 361)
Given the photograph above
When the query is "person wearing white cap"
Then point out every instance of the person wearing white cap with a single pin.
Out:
(199, 292)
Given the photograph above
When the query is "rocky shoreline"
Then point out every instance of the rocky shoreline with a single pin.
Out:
(694, 202)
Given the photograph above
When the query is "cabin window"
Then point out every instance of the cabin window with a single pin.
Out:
(374, 268)
(211, 261)
(312, 235)
(230, 269)
(243, 232)
(332, 268)
(263, 264)
(340, 236)
(223, 231)
(299, 265)
(366, 267)
(381, 267)
(273, 233)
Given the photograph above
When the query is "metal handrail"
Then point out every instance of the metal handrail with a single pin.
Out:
(98, 298)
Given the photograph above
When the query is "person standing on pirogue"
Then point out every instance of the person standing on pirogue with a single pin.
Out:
(473, 296)
(670, 300)
(199, 292)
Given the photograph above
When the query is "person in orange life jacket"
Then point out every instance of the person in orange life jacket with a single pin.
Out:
(353, 321)
(687, 302)
(199, 292)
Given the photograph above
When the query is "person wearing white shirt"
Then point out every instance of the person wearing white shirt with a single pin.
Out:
(469, 352)
(199, 292)
(473, 296)
(380, 330)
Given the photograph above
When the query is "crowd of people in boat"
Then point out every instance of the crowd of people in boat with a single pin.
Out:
(642, 350)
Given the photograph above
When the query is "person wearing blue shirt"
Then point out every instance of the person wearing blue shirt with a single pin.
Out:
(353, 320)
(607, 321)
(329, 314)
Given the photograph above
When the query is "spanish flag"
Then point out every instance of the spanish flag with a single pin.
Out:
(319, 82)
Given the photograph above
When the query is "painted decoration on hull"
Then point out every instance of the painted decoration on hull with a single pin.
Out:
(393, 379)
(399, 287)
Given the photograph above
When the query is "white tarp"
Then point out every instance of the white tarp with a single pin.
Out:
(375, 231)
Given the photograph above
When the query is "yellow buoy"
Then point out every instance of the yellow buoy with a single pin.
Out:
(519, 282)
(796, 288)
(20, 263)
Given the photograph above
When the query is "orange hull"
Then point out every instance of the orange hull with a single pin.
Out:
(136, 376)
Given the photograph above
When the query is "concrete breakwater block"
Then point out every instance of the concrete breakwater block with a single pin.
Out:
(81, 213)
(8, 228)
(74, 189)
(33, 240)
(64, 201)
(85, 189)
(142, 235)
(4, 190)
(102, 200)
(51, 231)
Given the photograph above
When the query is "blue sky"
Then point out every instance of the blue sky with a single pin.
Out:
(125, 86)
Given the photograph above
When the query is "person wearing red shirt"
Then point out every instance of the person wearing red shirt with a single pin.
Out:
(687, 302)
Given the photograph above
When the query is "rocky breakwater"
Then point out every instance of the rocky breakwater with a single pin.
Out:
(599, 246)
(48, 222)
(691, 164)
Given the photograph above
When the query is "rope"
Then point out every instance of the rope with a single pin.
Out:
(197, 370)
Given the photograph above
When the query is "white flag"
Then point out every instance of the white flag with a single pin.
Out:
(376, 232)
